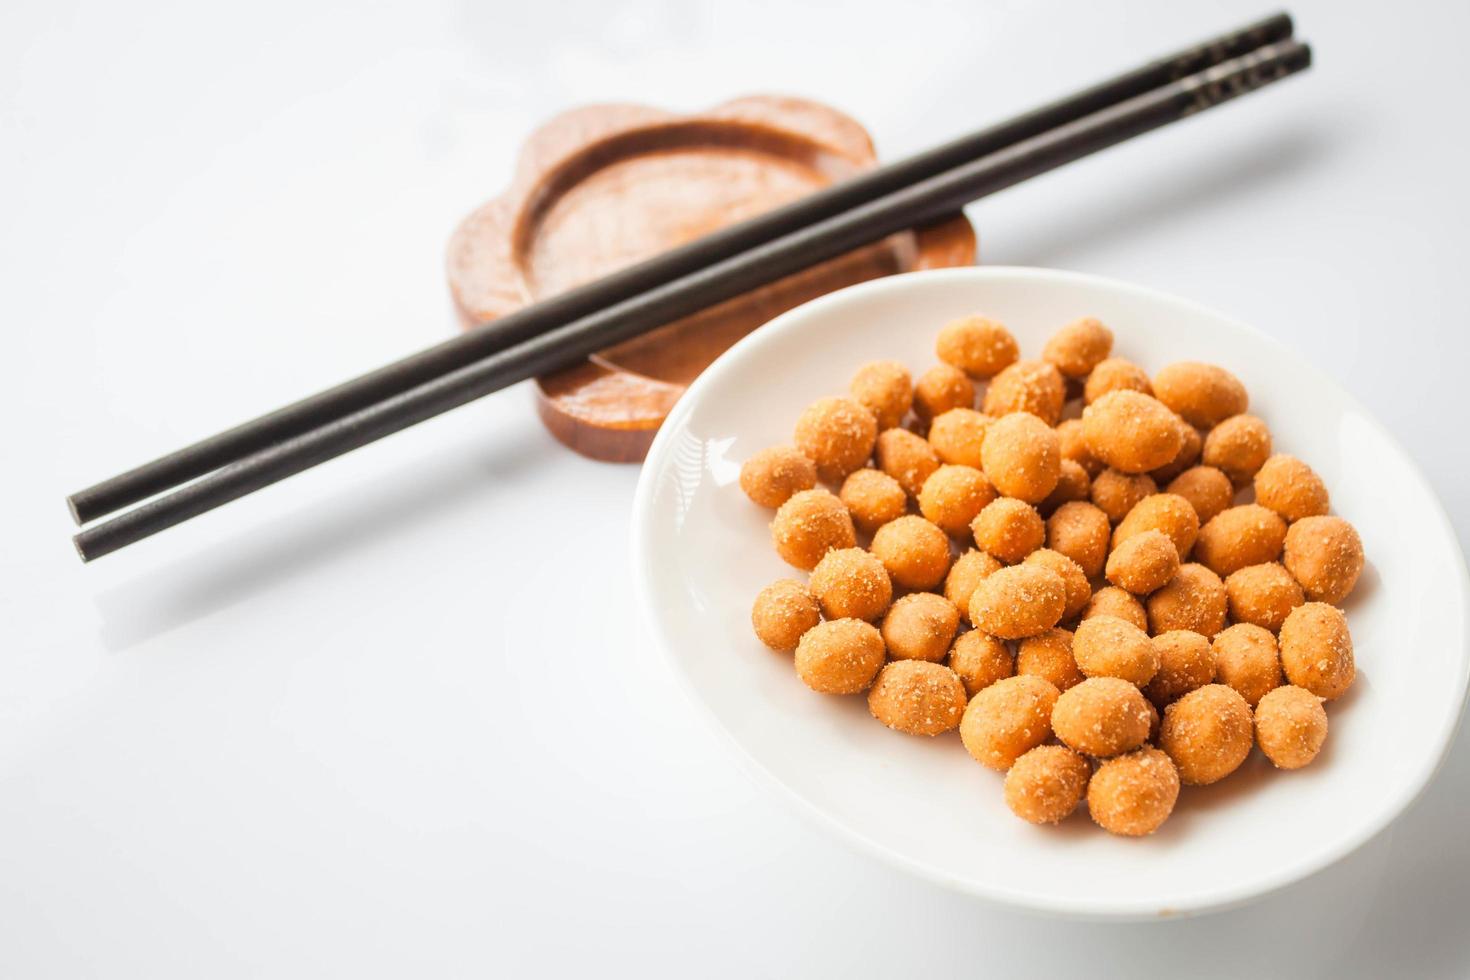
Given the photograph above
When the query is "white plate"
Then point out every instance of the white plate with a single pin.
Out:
(702, 551)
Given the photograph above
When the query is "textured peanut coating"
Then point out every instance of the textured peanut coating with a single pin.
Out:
(1155, 722)
(980, 660)
(1205, 395)
(1008, 719)
(1106, 646)
(1166, 512)
(915, 552)
(783, 611)
(1216, 629)
(1008, 529)
(1208, 733)
(1022, 457)
(917, 698)
(906, 457)
(772, 475)
(1048, 655)
(1115, 374)
(959, 435)
(1263, 595)
(953, 496)
(1291, 488)
(1119, 603)
(1131, 431)
(1238, 447)
(839, 657)
(1045, 785)
(1246, 661)
(851, 584)
(1186, 662)
(1074, 446)
(941, 388)
(981, 348)
(1325, 555)
(966, 573)
(1027, 386)
(1207, 489)
(886, 389)
(1133, 794)
(873, 498)
(1018, 601)
(1115, 493)
(920, 626)
(1317, 650)
(809, 525)
(1079, 347)
(1080, 531)
(1073, 483)
(1194, 600)
(1240, 536)
(1290, 726)
(1074, 579)
(1189, 452)
(1143, 562)
(837, 435)
(1102, 717)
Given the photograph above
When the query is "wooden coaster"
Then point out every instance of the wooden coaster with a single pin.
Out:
(601, 187)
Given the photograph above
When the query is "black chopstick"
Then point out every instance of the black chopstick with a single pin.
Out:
(209, 454)
(917, 204)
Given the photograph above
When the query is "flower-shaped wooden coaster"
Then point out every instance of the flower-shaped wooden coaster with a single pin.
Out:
(601, 187)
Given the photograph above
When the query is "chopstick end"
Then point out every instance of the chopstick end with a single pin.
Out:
(80, 545)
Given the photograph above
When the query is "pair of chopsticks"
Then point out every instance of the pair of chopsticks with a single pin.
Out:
(559, 331)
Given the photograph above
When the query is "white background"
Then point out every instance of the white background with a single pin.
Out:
(398, 717)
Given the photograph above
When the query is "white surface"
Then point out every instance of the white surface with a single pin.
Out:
(397, 716)
(1225, 844)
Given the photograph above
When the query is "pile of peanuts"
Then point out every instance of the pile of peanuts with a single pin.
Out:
(1151, 591)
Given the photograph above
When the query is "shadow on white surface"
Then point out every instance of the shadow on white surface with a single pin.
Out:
(349, 520)
(1399, 900)
(1144, 206)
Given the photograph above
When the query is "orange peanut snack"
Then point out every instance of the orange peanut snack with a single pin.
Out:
(839, 657)
(772, 475)
(941, 388)
(1216, 562)
(958, 436)
(915, 552)
(886, 389)
(1045, 785)
(1027, 386)
(1132, 795)
(851, 584)
(1203, 394)
(1022, 457)
(917, 698)
(1008, 719)
(809, 525)
(836, 434)
(1131, 432)
(979, 347)
(873, 498)
(1325, 555)
(783, 611)
(1208, 733)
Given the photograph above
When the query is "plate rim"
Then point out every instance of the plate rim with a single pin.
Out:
(1211, 900)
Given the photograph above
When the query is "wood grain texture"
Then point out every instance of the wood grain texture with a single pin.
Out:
(600, 187)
